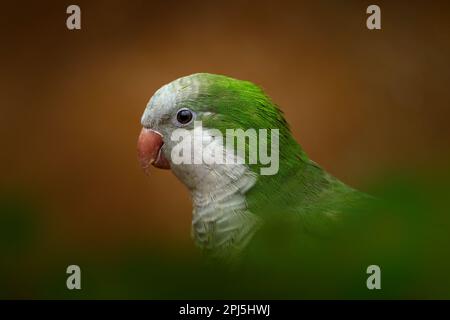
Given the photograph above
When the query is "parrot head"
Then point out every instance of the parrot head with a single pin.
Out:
(219, 103)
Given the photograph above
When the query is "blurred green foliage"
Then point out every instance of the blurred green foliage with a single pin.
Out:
(406, 232)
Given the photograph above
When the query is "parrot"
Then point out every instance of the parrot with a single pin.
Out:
(232, 200)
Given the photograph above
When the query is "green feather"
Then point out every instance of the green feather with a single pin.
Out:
(301, 186)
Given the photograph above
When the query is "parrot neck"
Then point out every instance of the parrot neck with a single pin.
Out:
(222, 225)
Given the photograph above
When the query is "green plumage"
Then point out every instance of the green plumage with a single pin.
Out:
(301, 186)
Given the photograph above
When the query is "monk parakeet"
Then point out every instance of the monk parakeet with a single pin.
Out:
(232, 199)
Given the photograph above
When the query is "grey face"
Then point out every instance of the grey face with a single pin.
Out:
(167, 112)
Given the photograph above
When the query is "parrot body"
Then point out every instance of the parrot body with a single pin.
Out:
(231, 200)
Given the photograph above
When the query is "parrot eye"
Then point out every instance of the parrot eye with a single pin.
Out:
(184, 116)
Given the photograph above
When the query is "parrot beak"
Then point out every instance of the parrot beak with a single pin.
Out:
(149, 150)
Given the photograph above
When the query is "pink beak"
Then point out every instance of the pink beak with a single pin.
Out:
(149, 150)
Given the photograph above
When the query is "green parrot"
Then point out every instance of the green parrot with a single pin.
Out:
(233, 199)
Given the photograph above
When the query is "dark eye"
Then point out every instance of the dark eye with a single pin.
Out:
(184, 116)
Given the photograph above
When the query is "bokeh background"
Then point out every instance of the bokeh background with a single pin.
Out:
(364, 104)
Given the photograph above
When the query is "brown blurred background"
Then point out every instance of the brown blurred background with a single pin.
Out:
(361, 102)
